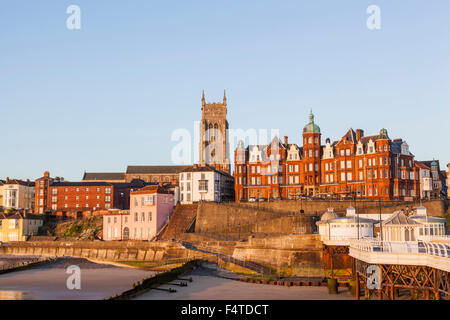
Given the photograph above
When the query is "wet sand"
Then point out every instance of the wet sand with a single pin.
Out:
(209, 285)
(48, 281)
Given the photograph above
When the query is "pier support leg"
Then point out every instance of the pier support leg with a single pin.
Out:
(356, 285)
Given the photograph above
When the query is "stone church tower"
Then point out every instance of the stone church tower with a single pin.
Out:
(214, 147)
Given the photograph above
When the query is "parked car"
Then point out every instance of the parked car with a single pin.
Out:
(262, 200)
(251, 200)
(301, 198)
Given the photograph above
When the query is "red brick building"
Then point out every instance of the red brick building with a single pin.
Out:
(56, 195)
(356, 166)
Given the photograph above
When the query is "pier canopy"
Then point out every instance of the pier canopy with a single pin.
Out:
(333, 228)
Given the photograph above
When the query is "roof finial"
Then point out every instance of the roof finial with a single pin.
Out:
(311, 117)
(225, 96)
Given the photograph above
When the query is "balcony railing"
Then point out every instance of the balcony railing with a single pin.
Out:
(411, 247)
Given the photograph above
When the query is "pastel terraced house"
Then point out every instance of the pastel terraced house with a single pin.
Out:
(18, 226)
(150, 209)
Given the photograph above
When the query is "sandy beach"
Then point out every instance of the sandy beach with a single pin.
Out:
(208, 284)
(48, 281)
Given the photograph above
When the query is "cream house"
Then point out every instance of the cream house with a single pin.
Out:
(18, 226)
(18, 194)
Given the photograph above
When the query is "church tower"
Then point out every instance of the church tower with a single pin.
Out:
(214, 147)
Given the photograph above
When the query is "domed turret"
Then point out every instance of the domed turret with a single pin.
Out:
(311, 127)
(330, 214)
(351, 212)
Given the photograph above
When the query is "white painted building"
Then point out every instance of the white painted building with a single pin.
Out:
(204, 183)
(335, 230)
(18, 194)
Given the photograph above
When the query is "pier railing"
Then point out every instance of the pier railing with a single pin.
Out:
(412, 247)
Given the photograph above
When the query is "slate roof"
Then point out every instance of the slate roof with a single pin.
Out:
(104, 176)
(155, 169)
(206, 168)
(19, 215)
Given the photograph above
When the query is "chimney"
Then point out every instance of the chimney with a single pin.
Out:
(286, 140)
(46, 174)
(359, 134)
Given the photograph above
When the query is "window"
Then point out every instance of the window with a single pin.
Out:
(108, 198)
(342, 176)
(203, 185)
(349, 176)
(349, 164)
(108, 190)
(143, 216)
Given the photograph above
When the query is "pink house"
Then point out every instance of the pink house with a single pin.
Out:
(150, 209)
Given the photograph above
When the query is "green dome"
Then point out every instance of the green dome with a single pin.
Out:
(311, 127)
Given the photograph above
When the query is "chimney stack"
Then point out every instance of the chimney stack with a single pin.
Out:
(286, 140)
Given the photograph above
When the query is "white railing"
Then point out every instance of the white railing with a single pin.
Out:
(434, 238)
(411, 247)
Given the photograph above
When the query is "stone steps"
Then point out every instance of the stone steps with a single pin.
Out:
(180, 221)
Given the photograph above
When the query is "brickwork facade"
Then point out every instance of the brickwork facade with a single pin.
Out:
(53, 195)
(356, 166)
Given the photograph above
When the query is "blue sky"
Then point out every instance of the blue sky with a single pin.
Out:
(111, 94)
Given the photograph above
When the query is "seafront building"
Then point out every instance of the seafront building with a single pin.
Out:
(18, 194)
(356, 166)
(205, 183)
(18, 226)
(56, 195)
(397, 227)
(150, 210)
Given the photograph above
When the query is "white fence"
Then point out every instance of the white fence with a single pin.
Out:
(412, 247)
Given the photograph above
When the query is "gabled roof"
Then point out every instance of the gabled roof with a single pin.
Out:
(155, 169)
(399, 218)
(350, 136)
(421, 165)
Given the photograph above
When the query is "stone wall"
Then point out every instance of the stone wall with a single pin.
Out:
(109, 251)
(435, 208)
(295, 255)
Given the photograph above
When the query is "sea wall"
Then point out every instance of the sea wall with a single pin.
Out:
(109, 251)
(292, 255)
